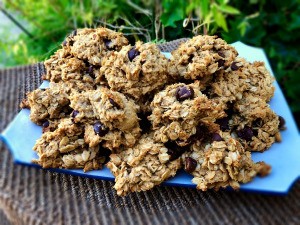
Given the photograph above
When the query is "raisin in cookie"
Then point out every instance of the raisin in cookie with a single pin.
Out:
(92, 44)
(142, 167)
(179, 109)
(200, 57)
(221, 162)
(65, 148)
(136, 71)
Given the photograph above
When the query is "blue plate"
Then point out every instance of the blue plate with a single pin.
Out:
(284, 157)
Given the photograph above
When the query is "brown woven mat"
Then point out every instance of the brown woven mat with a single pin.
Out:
(34, 196)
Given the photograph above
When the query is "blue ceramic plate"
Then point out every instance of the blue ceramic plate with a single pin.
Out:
(284, 157)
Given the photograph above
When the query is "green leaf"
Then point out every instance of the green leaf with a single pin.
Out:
(204, 8)
(222, 2)
(173, 12)
(295, 23)
(190, 7)
(229, 9)
(219, 18)
(243, 27)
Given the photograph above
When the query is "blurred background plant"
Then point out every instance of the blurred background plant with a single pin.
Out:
(270, 24)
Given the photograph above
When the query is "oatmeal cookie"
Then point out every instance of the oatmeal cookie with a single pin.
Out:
(111, 116)
(142, 167)
(220, 163)
(205, 108)
(135, 71)
(45, 104)
(53, 66)
(227, 86)
(82, 108)
(70, 72)
(51, 125)
(259, 80)
(65, 148)
(256, 125)
(92, 45)
(179, 109)
(200, 57)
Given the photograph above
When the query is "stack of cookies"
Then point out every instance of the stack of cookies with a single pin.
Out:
(146, 116)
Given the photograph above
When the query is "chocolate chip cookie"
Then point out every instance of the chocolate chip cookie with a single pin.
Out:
(178, 111)
(137, 71)
(205, 109)
(142, 167)
(200, 57)
(221, 161)
(92, 45)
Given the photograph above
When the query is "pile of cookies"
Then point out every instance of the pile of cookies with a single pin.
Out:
(146, 116)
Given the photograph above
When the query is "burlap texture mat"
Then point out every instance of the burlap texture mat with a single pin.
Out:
(35, 196)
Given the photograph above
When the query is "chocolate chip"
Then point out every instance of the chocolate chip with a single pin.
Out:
(74, 33)
(64, 43)
(221, 54)
(281, 123)
(46, 124)
(234, 66)
(108, 44)
(174, 150)
(114, 103)
(132, 54)
(246, 133)
(221, 62)
(216, 137)
(100, 129)
(71, 42)
(224, 123)
(190, 164)
(74, 113)
(201, 132)
(184, 93)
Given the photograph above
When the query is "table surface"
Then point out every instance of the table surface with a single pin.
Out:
(34, 196)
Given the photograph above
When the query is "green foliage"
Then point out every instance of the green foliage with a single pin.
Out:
(271, 24)
(173, 11)
(276, 28)
(49, 21)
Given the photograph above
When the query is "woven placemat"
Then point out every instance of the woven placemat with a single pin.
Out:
(35, 196)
